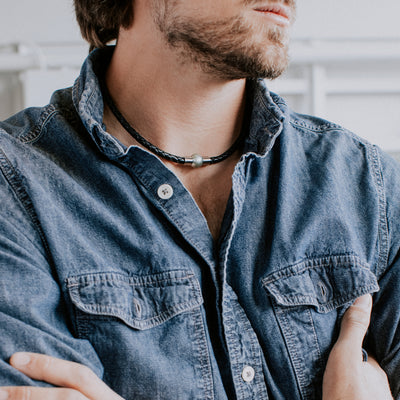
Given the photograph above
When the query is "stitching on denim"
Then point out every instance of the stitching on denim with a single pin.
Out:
(342, 260)
(317, 128)
(148, 323)
(15, 182)
(37, 130)
(236, 312)
(233, 350)
(286, 274)
(293, 353)
(315, 337)
(329, 306)
(142, 281)
(75, 91)
(308, 387)
(255, 350)
(383, 224)
(21, 231)
(344, 297)
(203, 353)
(124, 314)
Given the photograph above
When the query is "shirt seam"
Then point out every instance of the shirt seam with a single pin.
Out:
(33, 135)
(383, 234)
(15, 182)
(317, 128)
(345, 259)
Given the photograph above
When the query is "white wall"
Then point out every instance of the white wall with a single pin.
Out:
(44, 21)
(345, 61)
(348, 19)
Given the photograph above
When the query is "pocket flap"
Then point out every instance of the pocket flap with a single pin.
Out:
(142, 302)
(325, 283)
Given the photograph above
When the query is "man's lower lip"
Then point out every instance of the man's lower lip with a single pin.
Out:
(274, 17)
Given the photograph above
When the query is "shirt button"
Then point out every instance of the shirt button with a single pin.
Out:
(165, 191)
(248, 373)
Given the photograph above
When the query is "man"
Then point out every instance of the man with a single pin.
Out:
(173, 226)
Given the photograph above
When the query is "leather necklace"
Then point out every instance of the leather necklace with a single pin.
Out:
(196, 160)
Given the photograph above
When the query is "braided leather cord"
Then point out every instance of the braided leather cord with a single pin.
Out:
(149, 146)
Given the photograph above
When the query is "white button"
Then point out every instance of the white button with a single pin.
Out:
(165, 191)
(248, 373)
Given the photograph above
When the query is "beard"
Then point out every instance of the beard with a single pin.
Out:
(230, 48)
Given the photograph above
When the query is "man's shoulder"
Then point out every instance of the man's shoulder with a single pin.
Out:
(326, 144)
(325, 141)
(322, 133)
(319, 130)
(27, 125)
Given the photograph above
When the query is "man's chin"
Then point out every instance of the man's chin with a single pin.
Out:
(267, 69)
(236, 72)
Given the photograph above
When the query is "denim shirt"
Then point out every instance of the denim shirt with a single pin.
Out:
(107, 260)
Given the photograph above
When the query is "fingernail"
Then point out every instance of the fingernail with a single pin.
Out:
(20, 360)
(363, 301)
(3, 395)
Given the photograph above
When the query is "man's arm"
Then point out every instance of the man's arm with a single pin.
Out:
(347, 377)
(383, 339)
(33, 312)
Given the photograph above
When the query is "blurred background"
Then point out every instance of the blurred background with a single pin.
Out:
(345, 61)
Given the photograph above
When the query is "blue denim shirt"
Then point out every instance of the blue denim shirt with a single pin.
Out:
(96, 267)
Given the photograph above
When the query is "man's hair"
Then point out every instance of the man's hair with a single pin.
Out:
(100, 20)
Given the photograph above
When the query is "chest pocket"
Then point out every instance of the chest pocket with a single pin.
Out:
(309, 299)
(142, 302)
(145, 328)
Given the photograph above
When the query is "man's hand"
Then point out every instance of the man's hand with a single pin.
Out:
(75, 381)
(347, 376)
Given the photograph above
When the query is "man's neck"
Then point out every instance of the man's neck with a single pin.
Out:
(175, 106)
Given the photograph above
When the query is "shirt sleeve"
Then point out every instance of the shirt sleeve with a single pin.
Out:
(384, 332)
(33, 313)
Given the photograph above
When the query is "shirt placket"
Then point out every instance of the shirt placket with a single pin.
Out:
(245, 353)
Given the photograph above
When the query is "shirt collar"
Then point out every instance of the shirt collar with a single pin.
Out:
(266, 122)
(267, 118)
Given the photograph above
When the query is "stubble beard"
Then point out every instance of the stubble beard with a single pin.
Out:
(227, 49)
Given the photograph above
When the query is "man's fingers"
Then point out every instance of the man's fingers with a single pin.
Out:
(34, 393)
(344, 373)
(347, 350)
(356, 321)
(52, 370)
(346, 376)
(62, 373)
